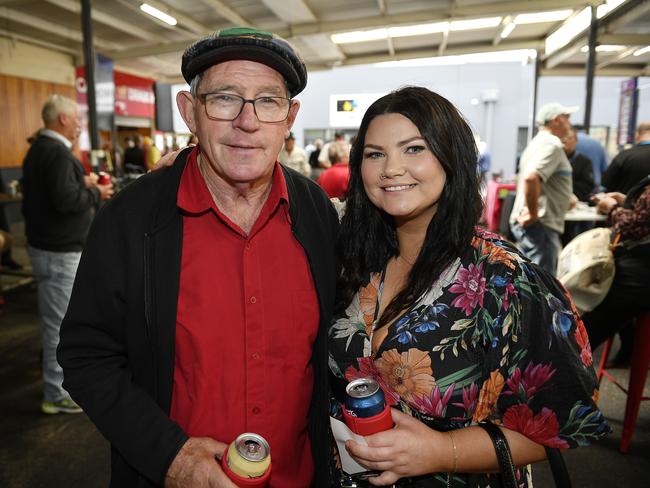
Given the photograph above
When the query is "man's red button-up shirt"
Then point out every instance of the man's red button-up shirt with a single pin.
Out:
(247, 319)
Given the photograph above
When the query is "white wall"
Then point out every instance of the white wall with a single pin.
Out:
(461, 84)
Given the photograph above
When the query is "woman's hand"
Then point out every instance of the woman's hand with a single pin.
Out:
(409, 449)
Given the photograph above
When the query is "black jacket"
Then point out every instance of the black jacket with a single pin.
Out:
(118, 336)
(583, 176)
(628, 168)
(57, 206)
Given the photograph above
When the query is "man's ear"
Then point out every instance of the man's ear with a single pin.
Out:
(185, 103)
(293, 113)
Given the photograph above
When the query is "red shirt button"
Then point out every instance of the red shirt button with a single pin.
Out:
(255, 355)
(256, 410)
(253, 300)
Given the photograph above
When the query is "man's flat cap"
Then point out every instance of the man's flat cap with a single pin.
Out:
(248, 44)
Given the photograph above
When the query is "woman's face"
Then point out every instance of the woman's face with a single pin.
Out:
(400, 174)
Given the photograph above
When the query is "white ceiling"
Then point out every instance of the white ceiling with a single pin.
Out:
(141, 44)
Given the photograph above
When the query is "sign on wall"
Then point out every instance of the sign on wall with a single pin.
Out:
(627, 110)
(347, 110)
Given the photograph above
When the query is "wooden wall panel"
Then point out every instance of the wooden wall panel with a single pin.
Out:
(21, 100)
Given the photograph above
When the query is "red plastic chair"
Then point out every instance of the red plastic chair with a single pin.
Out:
(638, 375)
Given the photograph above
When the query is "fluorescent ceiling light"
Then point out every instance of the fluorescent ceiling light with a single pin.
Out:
(474, 24)
(607, 7)
(507, 30)
(539, 17)
(159, 14)
(418, 30)
(359, 36)
(414, 30)
(605, 48)
(641, 51)
(562, 36)
(519, 55)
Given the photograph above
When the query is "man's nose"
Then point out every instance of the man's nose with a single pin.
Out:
(247, 119)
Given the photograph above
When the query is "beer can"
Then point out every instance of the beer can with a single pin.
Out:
(104, 179)
(364, 398)
(247, 461)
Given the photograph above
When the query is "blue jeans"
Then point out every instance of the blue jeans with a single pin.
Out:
(54, 272)
(539, 243)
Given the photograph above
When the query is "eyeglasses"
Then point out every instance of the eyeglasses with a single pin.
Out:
(227, 107)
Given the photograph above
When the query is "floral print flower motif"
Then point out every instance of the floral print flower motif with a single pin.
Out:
(409, 373)
(542, 428)
(436, 403)
(368, 369)
(471, 286)
(534, 378)
(494, 252)
(583, 341)
(428, 321)
(562, 318)
(470, 399)
(488, 397)
(403, 325)
(368, 301)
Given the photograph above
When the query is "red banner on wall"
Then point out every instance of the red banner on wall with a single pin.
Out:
(134, 96)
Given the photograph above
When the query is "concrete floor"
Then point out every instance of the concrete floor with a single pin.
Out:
(38, 450)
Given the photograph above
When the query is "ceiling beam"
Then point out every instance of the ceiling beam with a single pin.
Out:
(51, 28)
(443, 44)
(579, 70)
(291, 11)
(109, 20)
(227, 13)
(627, 39)
(612, 59)
(39, 42)
(631, 10)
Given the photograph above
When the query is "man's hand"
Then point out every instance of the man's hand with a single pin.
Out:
(167, 160)
(526, 219)
(606, 201)
(105, 191)
(196, 465)
(91, 179)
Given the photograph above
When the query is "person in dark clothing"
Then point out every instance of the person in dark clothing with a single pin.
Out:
(583, 184)
(628, 297)
(59, 200)
(134, 159)
(202, 301)
(631, 165)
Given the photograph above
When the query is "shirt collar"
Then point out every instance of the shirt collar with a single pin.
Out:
(56, 135)
(194, 196)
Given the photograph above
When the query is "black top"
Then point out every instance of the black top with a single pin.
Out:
(583, 176)
(57, 206)
(135, 156)
(628, 168)
(118, 336)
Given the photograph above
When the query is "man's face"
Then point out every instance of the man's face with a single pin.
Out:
(560, 125)
(244, 150)
(288, 144)
(70, 124)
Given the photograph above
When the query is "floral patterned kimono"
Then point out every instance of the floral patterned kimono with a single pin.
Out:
(495, 338)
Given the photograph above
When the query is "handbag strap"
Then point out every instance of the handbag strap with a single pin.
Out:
(558, 468)
(504, 457)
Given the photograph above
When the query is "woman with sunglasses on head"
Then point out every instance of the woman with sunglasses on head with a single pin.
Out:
(454, 324)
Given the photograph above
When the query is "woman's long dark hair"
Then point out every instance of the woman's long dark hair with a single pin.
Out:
(368, 237)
